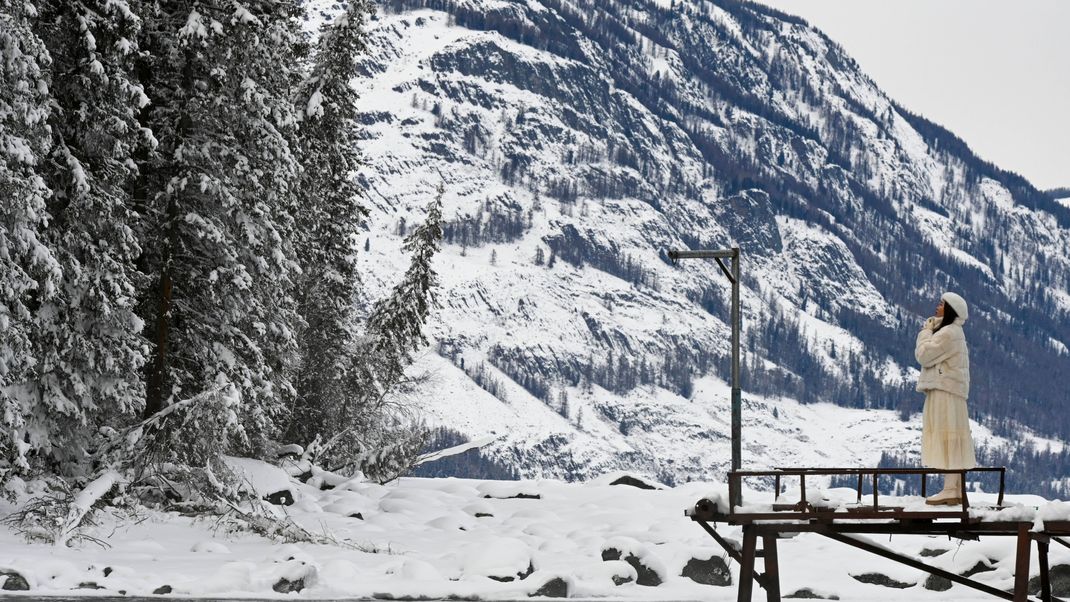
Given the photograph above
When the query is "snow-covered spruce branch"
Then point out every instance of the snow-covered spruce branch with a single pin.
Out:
(131, 435)
(455, 450)
(382, 453)
(60, 515)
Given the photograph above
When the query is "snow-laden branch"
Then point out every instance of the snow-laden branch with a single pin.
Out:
(453, 451)
(133, 433)
(83, 502)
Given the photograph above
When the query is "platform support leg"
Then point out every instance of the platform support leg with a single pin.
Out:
(746, 566)
(1021, 564)
(772, 568)
(1045, 581)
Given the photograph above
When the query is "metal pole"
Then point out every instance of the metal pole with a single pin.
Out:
(737, 420)
(736, 495)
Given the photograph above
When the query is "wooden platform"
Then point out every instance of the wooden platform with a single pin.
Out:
(845, 523)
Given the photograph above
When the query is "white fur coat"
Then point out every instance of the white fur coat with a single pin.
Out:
(944, 359)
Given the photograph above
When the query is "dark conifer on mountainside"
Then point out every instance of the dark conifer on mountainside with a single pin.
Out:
(29, 273)
(329, 218)
(218, 234)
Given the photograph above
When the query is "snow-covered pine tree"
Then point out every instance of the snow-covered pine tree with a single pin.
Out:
(378, 437)
(88, 345)
(396, 325)
(384, 439)
(28, 271)
(329, 218)
(220, 75)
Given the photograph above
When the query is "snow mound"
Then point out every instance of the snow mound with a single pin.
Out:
(479, 508)
(348, 506)
(599, 575)
(454, 521)
(417, 570)
(400, 506)
(209, 547)
(497, 557)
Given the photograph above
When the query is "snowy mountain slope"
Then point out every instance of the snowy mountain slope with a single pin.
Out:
(660, 433)
(579, 141)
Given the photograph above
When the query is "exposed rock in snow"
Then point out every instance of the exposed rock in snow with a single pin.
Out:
(708, 571)
(882, 580)
(13, 581)
(1060, 581)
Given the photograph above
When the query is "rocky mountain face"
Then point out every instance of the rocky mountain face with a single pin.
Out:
(578, 141)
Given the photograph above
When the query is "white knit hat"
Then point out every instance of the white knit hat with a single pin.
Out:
(957, 303)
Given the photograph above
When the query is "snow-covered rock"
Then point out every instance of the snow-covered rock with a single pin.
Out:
(265, 480)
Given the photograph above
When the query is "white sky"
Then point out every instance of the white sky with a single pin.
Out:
(994, 72)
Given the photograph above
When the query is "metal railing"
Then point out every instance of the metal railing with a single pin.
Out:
(735, 482)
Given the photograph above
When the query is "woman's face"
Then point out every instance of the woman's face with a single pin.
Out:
(940, 309)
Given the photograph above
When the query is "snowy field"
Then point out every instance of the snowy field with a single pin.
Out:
(491, 540)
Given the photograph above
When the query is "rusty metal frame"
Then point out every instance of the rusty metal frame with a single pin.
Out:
(845, 526)
(803, 509)
(844, 532)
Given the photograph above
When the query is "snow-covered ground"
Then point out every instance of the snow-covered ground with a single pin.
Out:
(437, 538)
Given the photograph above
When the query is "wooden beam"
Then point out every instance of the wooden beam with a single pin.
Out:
(772, 569)
(1021, 564)
(1002, 485)
(746, 566)
(1045, 581)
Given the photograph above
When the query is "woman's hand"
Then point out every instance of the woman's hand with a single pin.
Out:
(932, 323)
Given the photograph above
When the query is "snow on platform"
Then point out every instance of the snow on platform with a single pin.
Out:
(436, 538)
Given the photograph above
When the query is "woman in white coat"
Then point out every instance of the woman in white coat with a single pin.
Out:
(946, 441)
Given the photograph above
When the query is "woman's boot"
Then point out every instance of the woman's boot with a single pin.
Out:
(951, 493)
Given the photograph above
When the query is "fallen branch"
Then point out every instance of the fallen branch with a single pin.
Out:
(455, 450)
(83, 503)
(286, 528)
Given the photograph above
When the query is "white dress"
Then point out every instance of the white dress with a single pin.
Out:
(946, 441)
